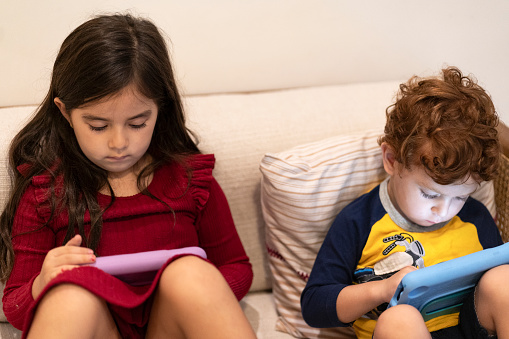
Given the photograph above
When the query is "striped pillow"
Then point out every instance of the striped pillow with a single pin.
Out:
(302, 191)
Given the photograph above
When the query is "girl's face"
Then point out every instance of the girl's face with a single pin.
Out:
(420, 199)
(115, 132)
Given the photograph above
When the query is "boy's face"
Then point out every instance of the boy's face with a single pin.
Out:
(421, 200)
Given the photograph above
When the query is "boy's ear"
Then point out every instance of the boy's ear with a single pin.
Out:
(61, 107)
(388, 158)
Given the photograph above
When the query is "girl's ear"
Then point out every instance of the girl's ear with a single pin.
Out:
(388, 158)
(61, 107)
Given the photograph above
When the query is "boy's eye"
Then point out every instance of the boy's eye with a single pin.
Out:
(462, 198)
(429, 196)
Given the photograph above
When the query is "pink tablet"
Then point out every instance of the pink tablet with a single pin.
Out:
(141, 268)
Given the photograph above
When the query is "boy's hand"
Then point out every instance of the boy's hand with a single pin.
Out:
(61, 259)
(391, 284)
(356, 300)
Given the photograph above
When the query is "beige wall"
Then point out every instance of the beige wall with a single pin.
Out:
(231, 45)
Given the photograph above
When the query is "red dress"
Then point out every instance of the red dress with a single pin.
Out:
(132, 224)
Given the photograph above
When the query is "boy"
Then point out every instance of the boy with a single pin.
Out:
(440, 142)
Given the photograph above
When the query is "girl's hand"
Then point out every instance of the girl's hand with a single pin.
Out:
(61, 259)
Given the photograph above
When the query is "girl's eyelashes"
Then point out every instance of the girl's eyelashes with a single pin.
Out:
(97, 129)
(138, 126)
(102, 128)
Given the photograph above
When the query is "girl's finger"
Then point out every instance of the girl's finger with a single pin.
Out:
(74, 259)
(64, 250)
(75, 241)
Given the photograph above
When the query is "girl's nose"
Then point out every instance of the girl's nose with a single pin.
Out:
(118, 140)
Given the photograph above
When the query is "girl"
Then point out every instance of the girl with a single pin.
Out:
(106, 166)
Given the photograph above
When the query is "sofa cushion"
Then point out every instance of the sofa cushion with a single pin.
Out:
(303, 189)
(240, 128)
(260, 311)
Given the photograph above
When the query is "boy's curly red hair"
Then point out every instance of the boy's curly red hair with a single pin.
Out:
(447, 125)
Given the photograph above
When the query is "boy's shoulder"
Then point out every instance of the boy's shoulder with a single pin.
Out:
(354, 222)
(368, 197)
(473, 208)
(474, 212)
(368, 205)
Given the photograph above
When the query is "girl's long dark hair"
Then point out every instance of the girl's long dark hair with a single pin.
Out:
(97, 60)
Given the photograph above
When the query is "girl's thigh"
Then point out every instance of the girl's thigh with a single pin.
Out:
(70, 311)
(193, 300)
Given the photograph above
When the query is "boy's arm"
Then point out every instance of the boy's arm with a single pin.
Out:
(332, 272)
(330, 298)
(356, 300)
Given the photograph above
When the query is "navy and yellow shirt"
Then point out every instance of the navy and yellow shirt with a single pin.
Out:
(370, 239)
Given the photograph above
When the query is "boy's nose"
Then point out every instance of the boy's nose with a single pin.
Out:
(440, 209)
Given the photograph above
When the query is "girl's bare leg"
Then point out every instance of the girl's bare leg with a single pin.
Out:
(193, 300)
(401, 321)
(492, 301)
(70, 311)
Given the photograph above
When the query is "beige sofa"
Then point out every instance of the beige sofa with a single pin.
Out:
(258, 78)
(239, 129)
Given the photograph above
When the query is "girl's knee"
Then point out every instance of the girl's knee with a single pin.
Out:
(190, 274)
(76, 311)
(192, 291)
(188, 270)
(73, 295)
(70, 299)
(188, 265)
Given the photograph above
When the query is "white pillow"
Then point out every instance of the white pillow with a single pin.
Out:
(303, 189)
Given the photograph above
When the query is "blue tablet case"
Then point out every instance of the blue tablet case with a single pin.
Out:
(440, 289)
